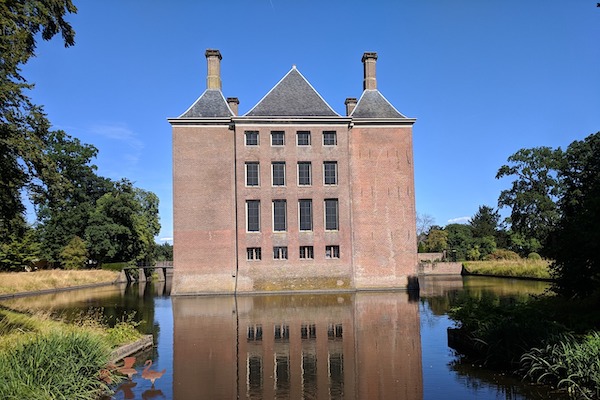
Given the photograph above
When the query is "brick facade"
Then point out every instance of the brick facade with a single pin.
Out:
(373, 244)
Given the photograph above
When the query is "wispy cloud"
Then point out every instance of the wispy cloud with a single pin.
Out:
(119, 146)
(459, 220)
(166, 239)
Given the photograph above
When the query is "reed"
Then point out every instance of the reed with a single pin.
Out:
(17, 282)
(568, 363)
(523, 268)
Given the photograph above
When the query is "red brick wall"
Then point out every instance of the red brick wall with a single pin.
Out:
(203, 204)
(383, 205)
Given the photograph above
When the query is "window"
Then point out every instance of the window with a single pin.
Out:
(307, 252)
(308, 331)
(329, 138)
(253, 253)
(253, 215)
(280, 253)
(305, 213)
(304, 173)
(330, 172)
(281, 332)
(331, 214)
(251, 138)
(332, 251)
(303, 138)
(279, 217)
(277, 138)
(278, 173)
(255, 333)
(335, 331)
(252, 174)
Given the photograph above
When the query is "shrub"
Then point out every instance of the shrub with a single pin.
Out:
(75, 254)
(54, 365)
(534, 256)
(503, 254)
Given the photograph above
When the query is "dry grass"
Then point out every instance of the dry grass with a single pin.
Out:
(524, 268)
(17, 282)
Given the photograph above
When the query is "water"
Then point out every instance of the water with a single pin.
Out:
(372, 345)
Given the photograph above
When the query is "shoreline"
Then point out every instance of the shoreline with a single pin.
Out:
(54, 290)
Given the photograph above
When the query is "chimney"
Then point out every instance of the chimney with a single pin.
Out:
(350, 104)
(369, 60)
(233, 104)
(213, 78)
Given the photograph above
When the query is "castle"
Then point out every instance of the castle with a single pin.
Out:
(292, 196)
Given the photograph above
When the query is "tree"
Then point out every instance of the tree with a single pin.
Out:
(75, 254)
(437, 241)
(485, 222)
(534, 192)
(23, 126)
(424, 224)
(460, 239)
(576, 241)
(122, 224)
(164, 252)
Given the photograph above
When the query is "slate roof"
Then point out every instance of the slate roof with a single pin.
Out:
(372, 104)
(210, 104)
(292, 96)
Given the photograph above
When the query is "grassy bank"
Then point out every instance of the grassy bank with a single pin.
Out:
(524, 268)
(18, 282)
(41, 358)
(545, 339)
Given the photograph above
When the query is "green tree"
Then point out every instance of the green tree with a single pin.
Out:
(576, 241)
(437, 241)
(67, 216)
(19, 253)
(23, 126)
(460, 239)
(485, 222)
(164, 252)
(74, 254)
(121, 225)
(533, 195)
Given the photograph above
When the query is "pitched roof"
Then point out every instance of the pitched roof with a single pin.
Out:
(292, 96)
(372, 104)
(210, 104)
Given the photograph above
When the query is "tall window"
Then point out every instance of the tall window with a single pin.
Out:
(305, 213)
(307, 252)
(304, 173)
(330, 172)
(253, 215)
(277, 138)
(280, 253)
(251, 138)
(331, 215)
(303, 138)
(253, 253)
(332, 251)
(329, 138)
(252, 174)
(278, 173)
(279, 218)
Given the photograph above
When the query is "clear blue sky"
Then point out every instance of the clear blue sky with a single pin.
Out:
(483, 78)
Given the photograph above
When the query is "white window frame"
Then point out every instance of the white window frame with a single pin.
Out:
(248, 163)
(248, 215)
(273, 164)
(246, 133)
(309, 173)
(335, 164)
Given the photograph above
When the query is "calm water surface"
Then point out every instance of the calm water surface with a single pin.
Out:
(375, 345)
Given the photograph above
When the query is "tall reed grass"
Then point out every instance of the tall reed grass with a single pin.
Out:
(523, 268)
(568, 363)
(41, 358)
(17, 282)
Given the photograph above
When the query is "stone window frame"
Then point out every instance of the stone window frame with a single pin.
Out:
(307, 252)
(277, 138)
(279, 215)
(304, 176)
(300, 136)
(250, 174)
(332, 214)
(251, 138)
(302, 224)
(329, 138)
(330, 179)
(253, 220)
(279, 174)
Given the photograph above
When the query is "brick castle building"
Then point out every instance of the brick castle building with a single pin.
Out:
(292, 196)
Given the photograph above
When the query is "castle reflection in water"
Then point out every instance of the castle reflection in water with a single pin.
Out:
(353, 346)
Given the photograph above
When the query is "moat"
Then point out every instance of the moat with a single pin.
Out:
(366, 345)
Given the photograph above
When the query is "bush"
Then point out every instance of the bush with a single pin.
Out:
(534, 256)
(55, 365)
(502, 254)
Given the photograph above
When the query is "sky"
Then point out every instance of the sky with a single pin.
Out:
(483, 79)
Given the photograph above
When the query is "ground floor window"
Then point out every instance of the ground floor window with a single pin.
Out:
(280, 253)
(307, 252)
(332, 251)
(253, 253)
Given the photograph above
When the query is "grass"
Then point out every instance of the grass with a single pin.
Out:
(524, 268)
(43, 358)
(18, 282)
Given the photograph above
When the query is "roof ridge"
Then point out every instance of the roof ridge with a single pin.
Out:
(387, 102)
